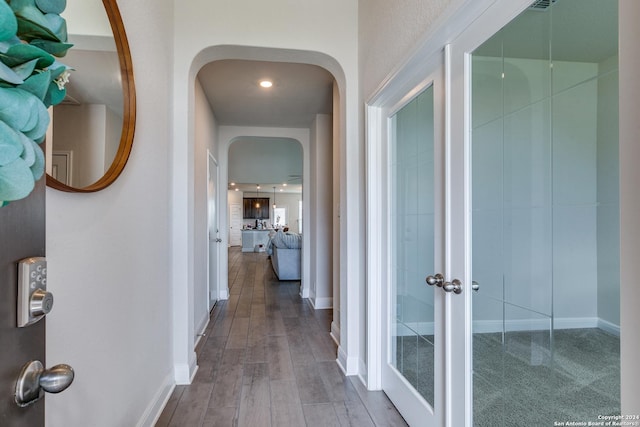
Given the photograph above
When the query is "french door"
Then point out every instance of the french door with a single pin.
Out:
(417, 290)
(493, 172)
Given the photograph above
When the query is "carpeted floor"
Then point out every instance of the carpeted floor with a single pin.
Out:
(530, 378)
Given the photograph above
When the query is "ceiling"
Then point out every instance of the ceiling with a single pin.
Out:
(270, 162)
(299, 92)
(95, 78)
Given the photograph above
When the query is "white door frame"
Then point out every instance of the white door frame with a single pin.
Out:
(457, 337)
(210, 159)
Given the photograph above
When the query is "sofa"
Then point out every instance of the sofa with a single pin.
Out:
(284, 249)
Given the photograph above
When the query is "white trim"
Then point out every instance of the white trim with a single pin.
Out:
(609, 327)
(321, 303)
(151, 415)
(342, 360)
(415, 81)
(201, 328)
(491, 326)
(335, 332)
(375, 258)
(184, 373)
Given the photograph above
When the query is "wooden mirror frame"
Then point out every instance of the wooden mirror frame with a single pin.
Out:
(129, 108)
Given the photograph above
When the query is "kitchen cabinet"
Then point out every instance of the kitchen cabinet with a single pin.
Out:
(249, 209)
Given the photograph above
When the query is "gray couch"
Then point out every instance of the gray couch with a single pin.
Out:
(284, 249)
(286, 263)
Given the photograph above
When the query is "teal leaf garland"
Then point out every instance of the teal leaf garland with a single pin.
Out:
(32, 34)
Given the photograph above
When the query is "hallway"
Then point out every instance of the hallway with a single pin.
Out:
(267, 359)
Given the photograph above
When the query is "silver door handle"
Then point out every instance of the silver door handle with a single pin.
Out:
(218, 240)
(436, 279)
(34, 380)
(454, 286)
(475, 286)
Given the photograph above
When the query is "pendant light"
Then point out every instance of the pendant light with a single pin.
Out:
(274, 197)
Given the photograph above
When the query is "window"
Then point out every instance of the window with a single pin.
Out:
(279, 217)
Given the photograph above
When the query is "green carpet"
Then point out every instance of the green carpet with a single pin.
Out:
(530, 378)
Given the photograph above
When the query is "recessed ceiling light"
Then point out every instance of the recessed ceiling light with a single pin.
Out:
(266, 83)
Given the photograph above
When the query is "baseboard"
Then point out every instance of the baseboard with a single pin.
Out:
(492, 326)
(612, 328)
(335, 333)
(348, 365)
(224, 294)
(156, 406)
(362, 371)
(321, 303)
(304, 292)
(489, 326)
(204, 322)
(184, 373)
(342, 360)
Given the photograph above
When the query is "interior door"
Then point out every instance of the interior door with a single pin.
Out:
(22, 233)
(235, 224)
(414, 358)
(214, 235)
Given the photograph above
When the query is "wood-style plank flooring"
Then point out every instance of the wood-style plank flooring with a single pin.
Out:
(267, 359)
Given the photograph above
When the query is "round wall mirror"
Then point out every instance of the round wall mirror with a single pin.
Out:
(91, 131)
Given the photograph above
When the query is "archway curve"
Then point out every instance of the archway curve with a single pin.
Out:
(268, 54)
(183, 234)
(227, 137)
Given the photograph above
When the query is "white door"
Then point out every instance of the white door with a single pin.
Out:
(409, 157)
(235, 224)
(214, 235)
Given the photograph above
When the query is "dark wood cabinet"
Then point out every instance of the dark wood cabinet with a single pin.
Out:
(249, 209)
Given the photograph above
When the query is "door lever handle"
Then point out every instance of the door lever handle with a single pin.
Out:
(34, 380)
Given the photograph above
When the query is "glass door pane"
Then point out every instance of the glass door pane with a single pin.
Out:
(545, 229)
(408, 377)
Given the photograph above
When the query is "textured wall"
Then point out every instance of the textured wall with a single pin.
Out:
(388, 30)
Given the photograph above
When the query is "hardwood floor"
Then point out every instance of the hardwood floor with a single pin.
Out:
(267, 360)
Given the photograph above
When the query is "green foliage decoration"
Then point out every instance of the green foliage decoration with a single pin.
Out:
(32, 35)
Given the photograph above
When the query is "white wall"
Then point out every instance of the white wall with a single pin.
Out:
(109, 257)
(205, 134)
(608, 194)
(321, 227)
(285, 31)
(88, 132)
(544, 195)
(388, 31)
